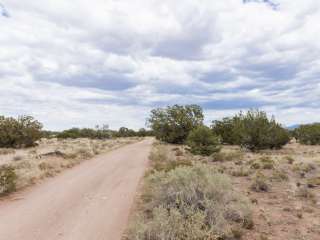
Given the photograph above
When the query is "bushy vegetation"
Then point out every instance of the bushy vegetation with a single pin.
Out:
(174, 123)
(308, 134)
(160, 160)
(126, 132)
(202, 141)
(85, 133)
(228, 129)
(99, 133)
(191, 203)
(21, 132)
(8, 179)
(252, 130)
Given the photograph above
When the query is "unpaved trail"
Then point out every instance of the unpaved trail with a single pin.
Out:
(92, 201)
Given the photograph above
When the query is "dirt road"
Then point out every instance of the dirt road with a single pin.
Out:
(92, 201)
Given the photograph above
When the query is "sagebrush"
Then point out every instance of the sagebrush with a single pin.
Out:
(190, 203)
(202, 141)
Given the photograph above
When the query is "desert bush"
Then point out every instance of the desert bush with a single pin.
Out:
(21, 132)
(85, 133)
(252, 130)
(290, 159)
(260, 183)
(308, 134)
(227, 156)
(304, 192)
(280, 175)
(241, 172)
(160, 160)
(255, 164)
(202, 141)
(258, 132)
(267, 162)
(190, 203)
(313, 182)
(227, 129)
(8, 179)
(303, 167)
(173, 124)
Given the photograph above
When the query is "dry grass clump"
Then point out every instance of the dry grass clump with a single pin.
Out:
(8, 179)
(227, 156)
(304, 192)
(241, 172)
(161, 161)
(290, 159)
(267, 163)
(190, 203)
(264, 162)
(313, 182)
(280, 175)
(7, 151)
(305, 167)
(260, 183)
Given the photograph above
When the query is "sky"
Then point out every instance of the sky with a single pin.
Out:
(81, 63)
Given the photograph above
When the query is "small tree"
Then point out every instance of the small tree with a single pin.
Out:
(227, 129)
(258, 132)
(308, 134)
(202, 141)
(173, 124)
(21, 132)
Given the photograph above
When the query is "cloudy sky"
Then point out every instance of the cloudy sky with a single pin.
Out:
(82, 63)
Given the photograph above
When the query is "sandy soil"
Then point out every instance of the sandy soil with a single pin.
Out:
(90, 201)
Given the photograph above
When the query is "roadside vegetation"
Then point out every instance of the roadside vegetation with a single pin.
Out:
(188, 200)
(252, 130)
(23, 167)
(21, 132)
(308, 134)
(241, 178)
(100, 133)
(29, 154)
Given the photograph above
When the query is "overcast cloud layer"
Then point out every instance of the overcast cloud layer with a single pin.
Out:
(82, 63)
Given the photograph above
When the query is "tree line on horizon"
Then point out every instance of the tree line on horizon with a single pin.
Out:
(177, 124)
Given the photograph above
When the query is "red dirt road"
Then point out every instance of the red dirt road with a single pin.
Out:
(92, 201)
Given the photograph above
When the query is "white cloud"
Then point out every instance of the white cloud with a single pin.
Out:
(111, 61)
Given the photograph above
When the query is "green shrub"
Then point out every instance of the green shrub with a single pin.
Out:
(190, 203)
(8, 179)
(308, 134)
(227, 129)
(252, 130)
(173, 124)
(202, 141)
(85, 133)
(258, 132)
(21, 132)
